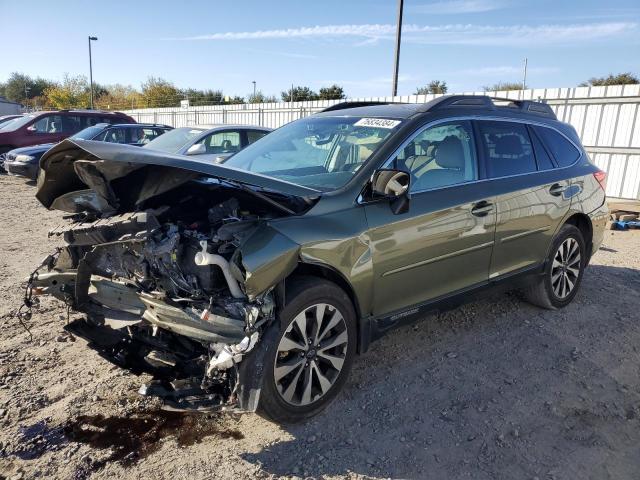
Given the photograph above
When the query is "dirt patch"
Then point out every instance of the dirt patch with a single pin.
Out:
(497, 389)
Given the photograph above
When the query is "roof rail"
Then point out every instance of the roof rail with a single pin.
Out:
(493, 103)
(343, 105)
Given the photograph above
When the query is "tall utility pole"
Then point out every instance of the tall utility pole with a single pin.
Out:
(91, 72)
(524, 76)
(396, 65)
(254, 88)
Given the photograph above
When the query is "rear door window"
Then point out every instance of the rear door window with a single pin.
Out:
(253, 135)
(72, 123)
(564, 152)
(507, 148)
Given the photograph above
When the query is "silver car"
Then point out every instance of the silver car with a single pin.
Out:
(209, 142)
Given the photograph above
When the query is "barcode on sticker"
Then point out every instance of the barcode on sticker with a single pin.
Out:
(376, 122)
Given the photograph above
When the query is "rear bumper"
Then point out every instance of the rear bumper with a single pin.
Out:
(21, 169)
(599, 218)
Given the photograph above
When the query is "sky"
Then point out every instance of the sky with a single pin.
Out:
(228, 44)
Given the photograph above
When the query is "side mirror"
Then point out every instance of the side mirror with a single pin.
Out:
(393, 185)
(197, 149)
(32, 128)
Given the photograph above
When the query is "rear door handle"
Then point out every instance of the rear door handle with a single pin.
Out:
(557, 189)
(481, 209)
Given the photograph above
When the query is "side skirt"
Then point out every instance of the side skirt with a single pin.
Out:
(372, 328)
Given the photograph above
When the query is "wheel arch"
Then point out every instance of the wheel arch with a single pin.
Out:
(583, 223)
(328, 273)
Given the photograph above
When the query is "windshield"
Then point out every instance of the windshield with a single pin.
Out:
(88, 133)
(174, 140)
(17, 123)
(322, 152)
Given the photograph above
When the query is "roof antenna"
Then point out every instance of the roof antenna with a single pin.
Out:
(524, 78)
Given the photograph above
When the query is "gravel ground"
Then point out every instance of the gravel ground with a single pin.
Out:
(496, 389)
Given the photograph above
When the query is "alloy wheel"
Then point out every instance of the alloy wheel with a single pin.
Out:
(311, 354)
(565, 269)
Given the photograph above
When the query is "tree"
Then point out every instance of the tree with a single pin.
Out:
(501, 86)
(620, 79)
(203, 97)
(157, 92)
(118, 97)
(334, 92)
(260, 97)
(20, 87)
(72, 92)
(299, 94)
(433, 87)
(233, 100)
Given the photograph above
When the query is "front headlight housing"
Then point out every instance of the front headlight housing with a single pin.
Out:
(23, 158)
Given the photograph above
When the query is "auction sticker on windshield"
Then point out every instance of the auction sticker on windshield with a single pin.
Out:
(376, 122)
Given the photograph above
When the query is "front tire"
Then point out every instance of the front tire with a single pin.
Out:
(563, 271)
(310, 361)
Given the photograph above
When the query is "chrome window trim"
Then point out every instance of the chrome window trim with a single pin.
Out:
(360, 200)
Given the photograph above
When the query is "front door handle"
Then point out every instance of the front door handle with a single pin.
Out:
(481, 209)
(557, 189)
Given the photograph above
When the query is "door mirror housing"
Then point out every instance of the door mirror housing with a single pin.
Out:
(197, 149)
(394, 186)
(32, 128)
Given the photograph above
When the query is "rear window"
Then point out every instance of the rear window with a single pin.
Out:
(507, 148)
(564, 152)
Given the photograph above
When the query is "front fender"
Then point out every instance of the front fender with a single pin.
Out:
(268, 257)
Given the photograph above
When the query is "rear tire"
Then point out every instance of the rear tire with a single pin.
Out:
(308, 364)
(563, 271)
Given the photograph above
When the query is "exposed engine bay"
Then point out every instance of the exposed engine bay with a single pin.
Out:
(162, 280)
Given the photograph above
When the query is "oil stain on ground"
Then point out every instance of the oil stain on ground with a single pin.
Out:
(128, 439)
(132, 438)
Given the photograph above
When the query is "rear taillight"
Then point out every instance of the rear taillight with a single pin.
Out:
(601, 178)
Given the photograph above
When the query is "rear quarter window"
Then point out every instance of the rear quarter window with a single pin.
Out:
(542, 155)
(563, 151)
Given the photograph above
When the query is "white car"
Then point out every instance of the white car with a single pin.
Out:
(209, 142)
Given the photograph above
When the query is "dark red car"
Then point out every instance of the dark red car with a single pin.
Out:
(52, 127)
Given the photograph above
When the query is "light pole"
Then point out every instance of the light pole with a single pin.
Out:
(91, 72)
(254, 88)
(396, 65)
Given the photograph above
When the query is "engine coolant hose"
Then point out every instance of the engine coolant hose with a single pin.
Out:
(203, 258)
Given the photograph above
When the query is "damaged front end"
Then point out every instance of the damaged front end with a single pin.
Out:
(153, 255)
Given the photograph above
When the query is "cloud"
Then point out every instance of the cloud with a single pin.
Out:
(280, 53)
(456, 7)
(454, 34)
(503, 70)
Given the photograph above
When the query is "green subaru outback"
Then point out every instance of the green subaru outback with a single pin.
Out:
(251, 285)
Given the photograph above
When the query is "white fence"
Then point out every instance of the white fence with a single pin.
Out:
(606, 119)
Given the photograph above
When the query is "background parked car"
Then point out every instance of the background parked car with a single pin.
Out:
(52, 127)
(4, 119)
(211, 142)
(24, 161)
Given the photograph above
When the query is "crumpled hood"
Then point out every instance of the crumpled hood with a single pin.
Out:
(74, 165)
